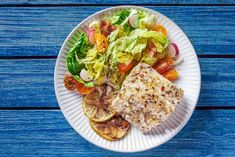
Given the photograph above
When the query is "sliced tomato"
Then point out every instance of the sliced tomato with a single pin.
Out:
(171, 75)
(159, 28)
(101, 42)
(69, 82)
(82, 89)
(163, 65)
(125, 68)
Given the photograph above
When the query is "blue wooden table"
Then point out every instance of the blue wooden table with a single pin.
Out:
(31, 33)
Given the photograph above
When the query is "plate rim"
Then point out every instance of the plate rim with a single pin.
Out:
(186, 119)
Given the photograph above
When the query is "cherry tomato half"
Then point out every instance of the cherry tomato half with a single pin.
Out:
(159, 28)
(125, 68)
(171, 75)
(82, 89)
(69, 82)
(163, 65)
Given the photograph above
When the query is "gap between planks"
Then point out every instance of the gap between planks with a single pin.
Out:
(106, 4)
(54, 57)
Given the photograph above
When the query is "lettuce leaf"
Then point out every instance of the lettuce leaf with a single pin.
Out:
(93, 63)
(132, 11)
(95, 66)
(127, 28)
(133, 45)
(72, 65)
(125, 58)
(116, 34)
(113, 35)
(136, 46)
(81, 47)
(119, 17)
(98, 68)
(125, 41)
(78, 50)
(76, 53)
(145, 19)
(141, 14)
(160, 41)
(148, 59)
(91, 56)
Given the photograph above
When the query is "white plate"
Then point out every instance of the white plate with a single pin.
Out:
(190, 80)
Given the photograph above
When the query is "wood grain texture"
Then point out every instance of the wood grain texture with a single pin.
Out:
(100, 2)
(29, 83)
(40, 31)
(44, 133)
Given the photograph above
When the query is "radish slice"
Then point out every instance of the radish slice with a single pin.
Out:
(173, 50)
(90, 33)
(91, 36)
(176, 49)
(86, 30)
(133, 20)
(85, 76)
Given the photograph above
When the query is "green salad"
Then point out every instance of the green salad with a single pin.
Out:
(107, 50)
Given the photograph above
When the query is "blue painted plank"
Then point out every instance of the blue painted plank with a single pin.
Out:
(100, 2)
(40, 31)
(46, 133)
(29, 83)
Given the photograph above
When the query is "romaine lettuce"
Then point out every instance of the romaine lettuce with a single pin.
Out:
(119, 32)
(160, 41)
(91, 56)
(79, 50)
(125, 58)
(148, 59)
(134, 44)
(119, 17)
(145, 19)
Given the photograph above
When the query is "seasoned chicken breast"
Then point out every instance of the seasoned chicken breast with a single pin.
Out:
(146, 98)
